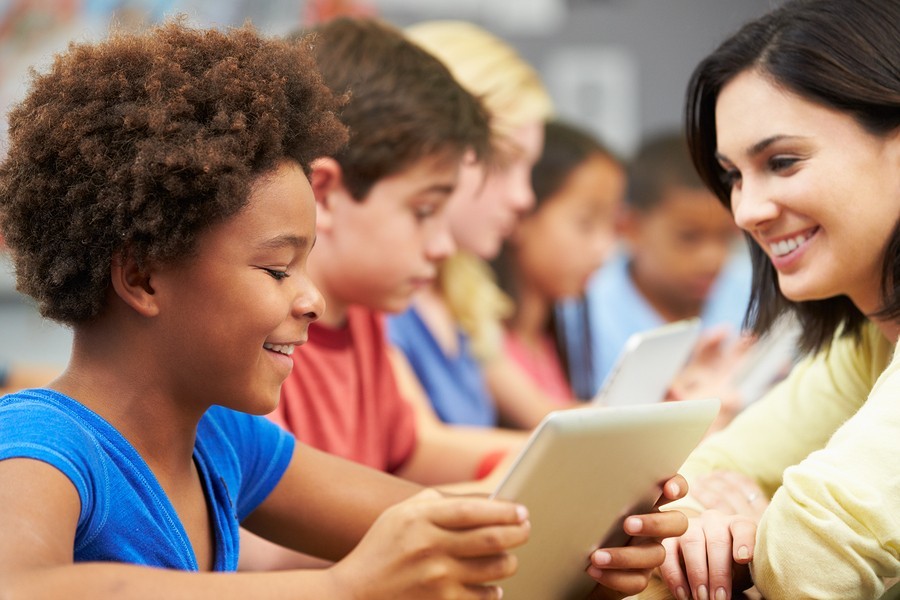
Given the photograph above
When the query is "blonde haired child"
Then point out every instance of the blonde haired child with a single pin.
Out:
(453, 334)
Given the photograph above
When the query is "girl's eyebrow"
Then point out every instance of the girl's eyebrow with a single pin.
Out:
(280, 241)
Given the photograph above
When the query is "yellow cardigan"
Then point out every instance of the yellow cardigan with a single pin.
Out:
(825, 446)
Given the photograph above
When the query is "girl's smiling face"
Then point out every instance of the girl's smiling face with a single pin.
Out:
(234, 310)
(817, 192)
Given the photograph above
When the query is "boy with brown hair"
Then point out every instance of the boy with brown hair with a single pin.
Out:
(381, 233)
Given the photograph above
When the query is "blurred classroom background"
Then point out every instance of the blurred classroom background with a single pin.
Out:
(617, 67)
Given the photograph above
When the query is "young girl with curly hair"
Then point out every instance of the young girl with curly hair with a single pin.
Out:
(155, 199)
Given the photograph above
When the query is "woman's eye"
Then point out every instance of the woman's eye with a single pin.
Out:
(276, 274)
(730, 177)
(781, 163)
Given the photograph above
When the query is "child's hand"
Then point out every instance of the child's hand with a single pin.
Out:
(626, 571)
(431, 546)
(713, 554)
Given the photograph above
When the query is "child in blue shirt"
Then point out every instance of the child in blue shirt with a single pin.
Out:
(155, 200)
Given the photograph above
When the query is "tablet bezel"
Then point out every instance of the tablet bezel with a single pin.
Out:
(581, 473)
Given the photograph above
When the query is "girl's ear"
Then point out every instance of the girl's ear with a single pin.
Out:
(133, 285)
(326, 180)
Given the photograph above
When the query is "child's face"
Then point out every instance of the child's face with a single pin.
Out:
(679, 247)
(560, 245)
(233, 311)
(488, 203)
(384, 248)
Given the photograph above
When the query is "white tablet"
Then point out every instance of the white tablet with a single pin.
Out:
(580, 474)
(648, 363)
(768, 360)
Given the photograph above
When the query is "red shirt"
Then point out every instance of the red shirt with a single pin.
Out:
(341, 396)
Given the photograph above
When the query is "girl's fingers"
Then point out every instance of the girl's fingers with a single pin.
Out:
(486, 541)
(641, 556)
(467, 512)
(665, 524)
(626, 582)
(488, 569)
(673, 489)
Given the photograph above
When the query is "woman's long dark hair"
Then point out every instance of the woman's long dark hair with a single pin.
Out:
(842, 54)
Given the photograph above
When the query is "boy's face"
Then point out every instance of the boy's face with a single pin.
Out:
(679, 247)
(233, 311)
(378, 251)
(488, 203)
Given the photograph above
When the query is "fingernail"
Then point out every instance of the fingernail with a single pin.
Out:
(702, 593)
(680, 593)
(720, 594)
(602, 557)
(674, 489)
(499, 591)
(522, 513)
(633, 525)
(743, 553)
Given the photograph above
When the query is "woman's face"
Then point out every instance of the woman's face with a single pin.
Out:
(487, 203)
(819, 194)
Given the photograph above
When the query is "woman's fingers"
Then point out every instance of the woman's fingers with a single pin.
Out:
(672, 570)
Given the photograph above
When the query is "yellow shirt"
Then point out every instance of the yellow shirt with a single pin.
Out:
(825, 446)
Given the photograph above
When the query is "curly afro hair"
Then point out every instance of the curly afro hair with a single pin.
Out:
(138, 143)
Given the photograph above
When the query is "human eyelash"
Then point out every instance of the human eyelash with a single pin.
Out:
(276, 274)
(729, 177)
(423, 212)
(780, 163)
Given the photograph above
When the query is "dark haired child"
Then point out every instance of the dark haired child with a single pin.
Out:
(381, 233)
(555, 248)
(155, 200)
(677, 259)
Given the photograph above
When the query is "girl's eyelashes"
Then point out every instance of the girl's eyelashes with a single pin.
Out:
(276, 273)
(423, 211)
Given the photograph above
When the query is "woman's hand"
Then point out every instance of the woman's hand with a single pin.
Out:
(711, 559)
(625, 571)
(431, 546)
(731, 493)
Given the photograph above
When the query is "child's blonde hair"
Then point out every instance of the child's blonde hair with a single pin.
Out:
(514, 95)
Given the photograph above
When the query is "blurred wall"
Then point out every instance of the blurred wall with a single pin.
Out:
(618, 67)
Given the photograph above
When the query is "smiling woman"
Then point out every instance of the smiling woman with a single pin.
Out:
(794, 122)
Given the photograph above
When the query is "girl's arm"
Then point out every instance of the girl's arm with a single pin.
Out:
(520, 402)
(427, 546)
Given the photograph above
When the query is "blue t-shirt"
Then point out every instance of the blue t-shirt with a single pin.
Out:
(125, 514)
(616, 309)
(454, 384)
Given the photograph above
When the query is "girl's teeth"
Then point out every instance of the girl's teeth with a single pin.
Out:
(286, 349)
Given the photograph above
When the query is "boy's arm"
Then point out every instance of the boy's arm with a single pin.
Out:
(449, 453)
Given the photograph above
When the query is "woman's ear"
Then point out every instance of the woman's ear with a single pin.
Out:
(133, 285)
(326, 180)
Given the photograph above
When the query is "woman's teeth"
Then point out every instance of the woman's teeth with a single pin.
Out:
(789, 245)
(286, 349)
